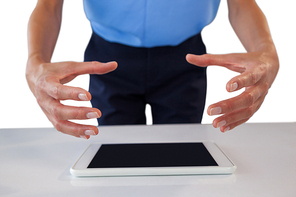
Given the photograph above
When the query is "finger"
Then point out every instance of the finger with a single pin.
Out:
(70, 128)
(74, 129)
(64, 112)
(244, 100)
(63, 92)
(246, 79)
(229, 121)
(57, 111)
(232, 126)
(50, 86)
(80, 68)
(230, 61)
(231, 118)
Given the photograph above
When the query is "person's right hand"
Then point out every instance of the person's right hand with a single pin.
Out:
(46, 83)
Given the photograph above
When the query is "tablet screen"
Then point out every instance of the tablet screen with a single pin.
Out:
(152, 155)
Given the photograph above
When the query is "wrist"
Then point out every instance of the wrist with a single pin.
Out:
(33, 70)
(270, 57)
(268, 50)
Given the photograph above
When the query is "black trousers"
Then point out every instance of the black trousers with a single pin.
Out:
(159, 76)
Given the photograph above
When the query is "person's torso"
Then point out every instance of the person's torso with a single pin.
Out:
(149, 23)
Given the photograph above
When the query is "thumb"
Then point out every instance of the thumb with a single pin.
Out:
(73, 69)
(231, 61)
(80, 68)
(197, 60)
(101, 68)
(209, 60)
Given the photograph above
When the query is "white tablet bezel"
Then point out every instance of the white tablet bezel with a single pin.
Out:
(225, 165)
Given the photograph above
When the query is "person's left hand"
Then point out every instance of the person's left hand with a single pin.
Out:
(258, 71)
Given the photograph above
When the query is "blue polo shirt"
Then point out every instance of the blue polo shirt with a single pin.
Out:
(149, 23)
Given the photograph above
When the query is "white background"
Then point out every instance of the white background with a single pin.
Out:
(19, 108)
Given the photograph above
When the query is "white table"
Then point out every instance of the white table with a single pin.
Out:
(36, 162)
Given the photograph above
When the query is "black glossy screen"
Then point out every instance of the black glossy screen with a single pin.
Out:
(152, 155)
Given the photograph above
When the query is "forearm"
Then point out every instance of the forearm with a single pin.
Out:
(258, 67)
(43, 29)
(250, 25)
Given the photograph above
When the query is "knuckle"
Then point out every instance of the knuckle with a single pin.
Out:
(80, 113)
(264, 72)
(57, 125)
(250, 111)
(260, 72)
(266, 86)
(230, 119)
(239, 82)
(250, 99)
(77, 132)
(253, 77)
(55, 92)
(228, 106)
(263, 69)
(77, 114)
(55, 112)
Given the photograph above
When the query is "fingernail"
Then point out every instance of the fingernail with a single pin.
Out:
(221, 123)
(83, 97)
(215, 111)
(226, 129)
(83, 137)
(89, 132)
(233, 86)
(91, 115)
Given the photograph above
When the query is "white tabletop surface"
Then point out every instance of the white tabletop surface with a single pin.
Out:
(36, 162)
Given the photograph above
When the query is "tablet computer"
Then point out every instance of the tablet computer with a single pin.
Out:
(140, 159)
